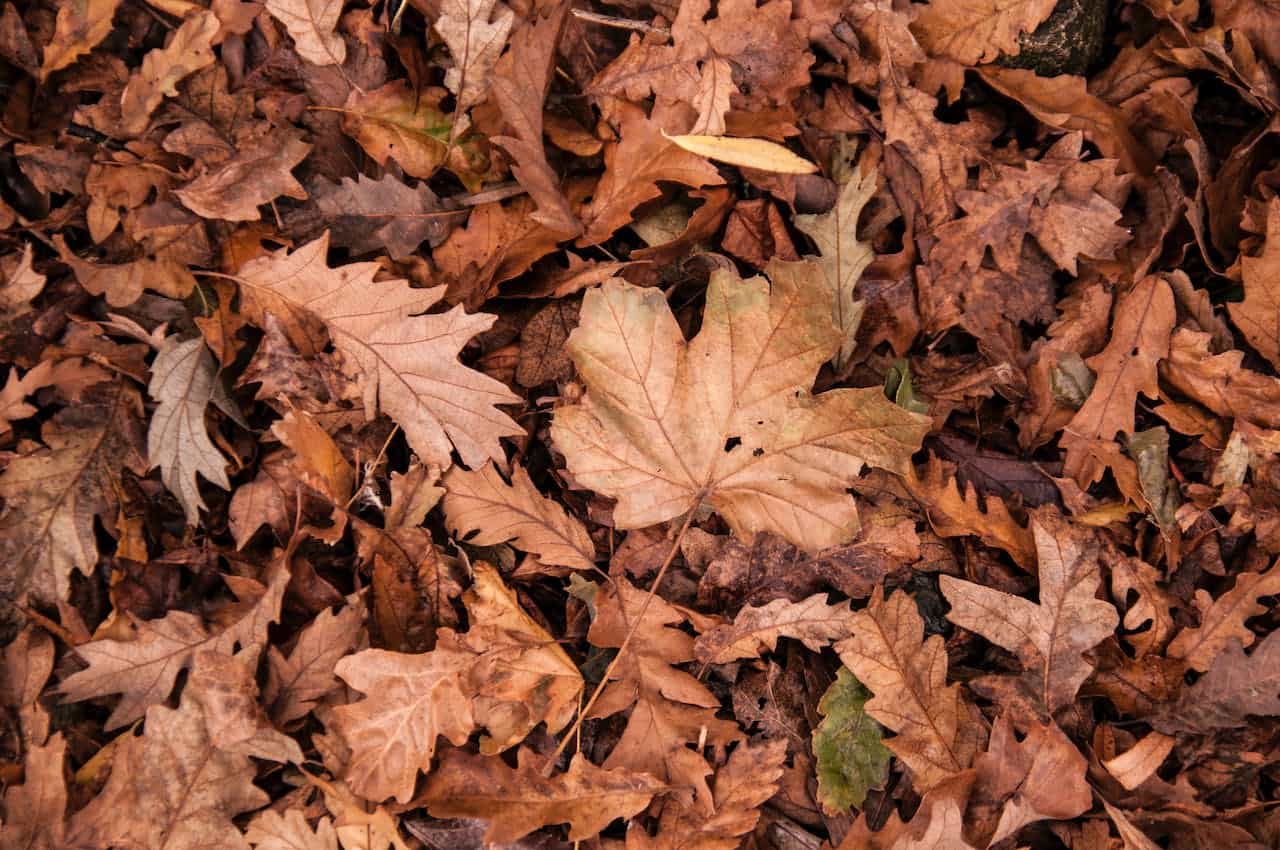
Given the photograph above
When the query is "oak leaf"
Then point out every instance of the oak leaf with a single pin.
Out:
(22, 283)
(295, 682)
(256, 175)
(633, 167)
(726, 418)
(843, 256)
(475, 32)
(1222, 620)
(53, 495)
(1041, 777)
(851, 757)
(976, 31)
(1049, 638)
(1235, 687)
(669, 707)
(908, 675)
(78, 29)
(1144, 318)
(143, 670)
(1257, 315)
(756, 630)
(517, 801)
(749, 778)
(271, 830)
(369, 216)
(1153, 604)
(311, 23)
(1219, 381)
(189, 50)
(484, 506)
(35, 811)
(184, 379)
(408, 362)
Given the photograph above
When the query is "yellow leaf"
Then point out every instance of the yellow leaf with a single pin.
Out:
(749, 153)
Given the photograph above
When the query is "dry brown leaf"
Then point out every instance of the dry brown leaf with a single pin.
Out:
(1219, 381)
(122, 283)
(369, 216)
(80, 27)
(506, 675)
(1049, 638)
(908, 675)
(52, 495)
(668, 706)
(475, 32)
(1140, 762)
(1222, 620)
(408, 362)
(297, 681)
(21, 285)
(483, 509)
(143, 670)
(633, 165)
(756, 630)
(311, 23)
(517, 802)
(256, 175)
(1153, 604)
(271, 830)
(35, 810)
(977, 31)
(189, 50)
(668, 424)
(1144, 318)
(749, 778)
(184, 379)
(1256, 316)
(1235, 686)
(1041, 777)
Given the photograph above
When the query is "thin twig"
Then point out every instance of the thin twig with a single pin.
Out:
(619, 23)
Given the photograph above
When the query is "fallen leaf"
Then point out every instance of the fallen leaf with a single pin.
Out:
(1049, 638)
(517, 802)
(760, 154)
(482, 508)
(311, 24)
(296, 682)
(1235, 686)
(184, 381)
(271, 830)
(1140, 762)
(1222, 620)
(369, 216)
(908, 676)
(189, 50)
(475, 32)
(255, 176)
(1255, 316)
(79, 28)
(668, 424)
(975, 31)
(852, 759)
(36, 809)
(756, 631)
(439, 403)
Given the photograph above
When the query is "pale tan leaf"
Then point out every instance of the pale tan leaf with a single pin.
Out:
(35, 811)
(1049, 638)
(297, 681)
(843, 256)
(1140, 762)
(498, 512)
(1223, 619)
(760, 154)
(756, 630)
(311, 23)
(407, 361)
(143, 670)
(475, 32)
(189, 49)
(975, 31)
(516, 802)
(727, 417)
(183, 380)
(271, 830)
(79, 28)
(1256, 315)
(908, 675)
(22, 283)
(1134, 838)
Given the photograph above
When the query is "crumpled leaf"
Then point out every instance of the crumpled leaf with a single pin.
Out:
(1256, 315)
(407, 361)
(35, 811)
(271, 830)
(908, 675)
(1234, 687)
(256, 175)
(311, 24)
(79, 28)
(516, 802)
(143, 670)
(369, 216)
(483, 509)
(1050, 637)
(184, 381)
(756, 630)
(295, 682)
(53, 495)
(852, 758)
(727, 418)
(974, 31)
(189, 50)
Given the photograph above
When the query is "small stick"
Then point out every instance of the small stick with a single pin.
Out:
(618, 23)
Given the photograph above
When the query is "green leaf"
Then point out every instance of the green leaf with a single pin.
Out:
(897, 386)
(851, 758)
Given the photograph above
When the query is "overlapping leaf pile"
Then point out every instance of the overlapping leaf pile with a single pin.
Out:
(760, 423)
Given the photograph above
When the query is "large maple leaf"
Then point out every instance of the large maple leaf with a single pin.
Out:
(407, 362)
(727, 418)
(1049, 638)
